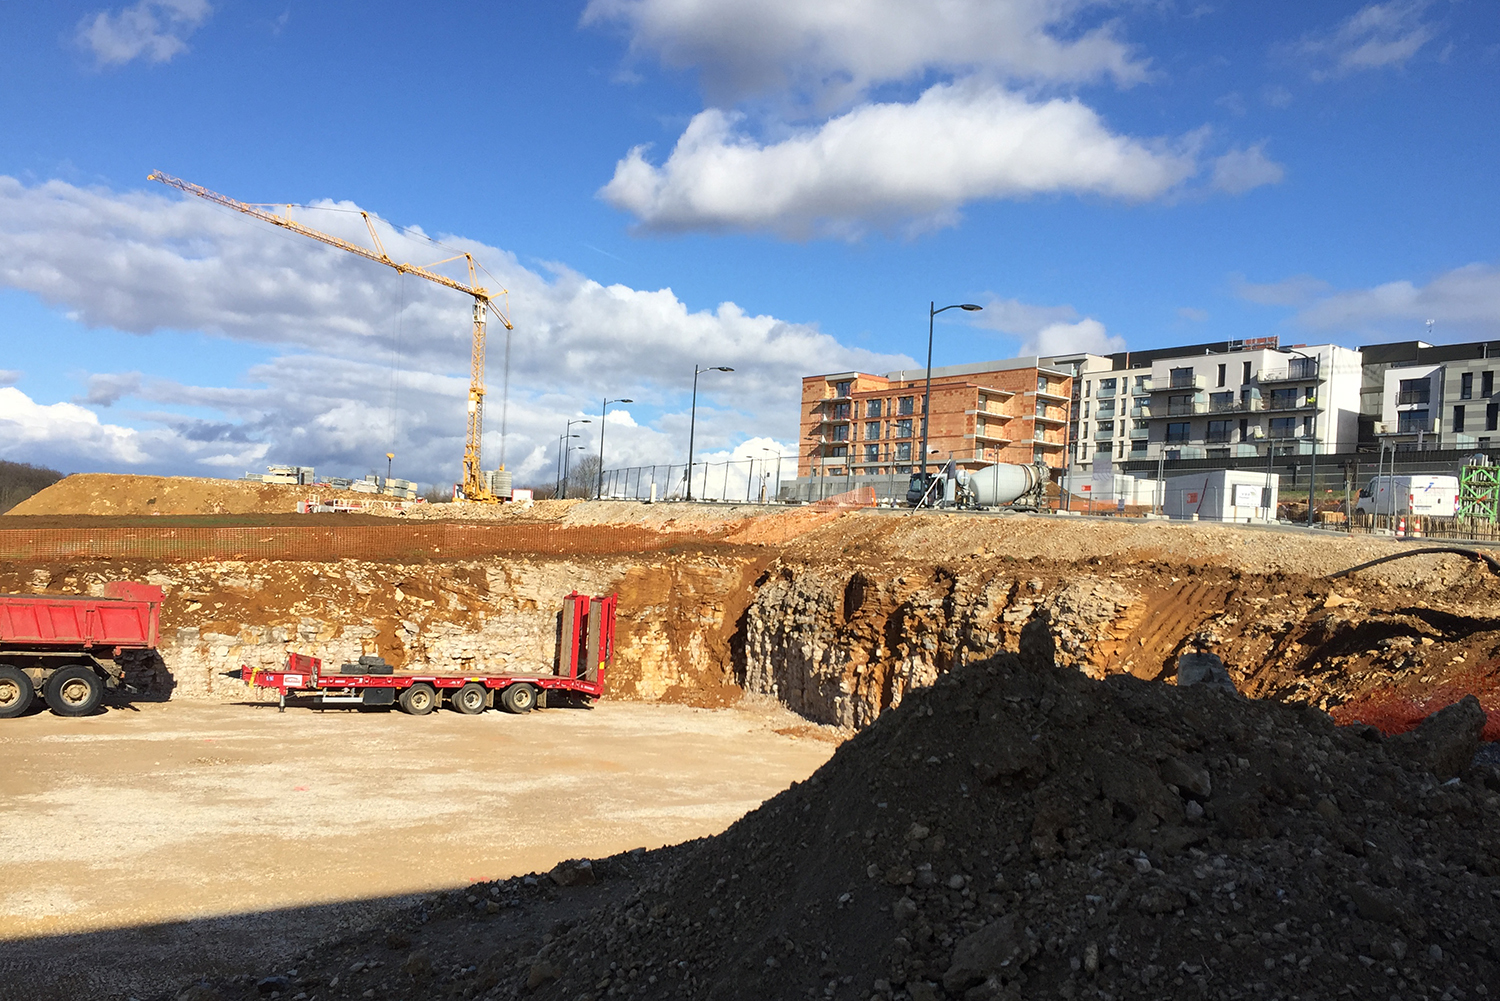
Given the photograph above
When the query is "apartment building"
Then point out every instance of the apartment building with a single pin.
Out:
(1219, 400)
(857, 424)
(1416, 395)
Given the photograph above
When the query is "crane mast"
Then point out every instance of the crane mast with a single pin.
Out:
(474, 485)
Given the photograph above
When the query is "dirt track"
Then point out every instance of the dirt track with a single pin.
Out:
(192, 811)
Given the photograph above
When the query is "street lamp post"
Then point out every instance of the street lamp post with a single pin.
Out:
(568, 452)
(561, 442)
(693, 419)
(599, 492)
(933, 311)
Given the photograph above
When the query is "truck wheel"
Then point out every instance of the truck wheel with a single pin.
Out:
(519, 698)
(74, 691)
(469, 699)
(419, 699)
(16, 692)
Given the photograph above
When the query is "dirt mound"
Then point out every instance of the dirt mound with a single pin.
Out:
(1015, 831)
(114, 494)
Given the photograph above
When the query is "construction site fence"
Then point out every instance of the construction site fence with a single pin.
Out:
(735, 481)
(400, 542)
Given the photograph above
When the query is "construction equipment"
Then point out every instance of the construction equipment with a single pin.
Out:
(586, 645)
(475, 484)
(69, 646)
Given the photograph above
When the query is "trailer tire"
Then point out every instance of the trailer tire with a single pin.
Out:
(519, 698)
(16, 691)
(418, 700)
(469, 699)
(74, 690)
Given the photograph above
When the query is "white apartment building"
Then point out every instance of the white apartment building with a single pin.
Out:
(1219, 400)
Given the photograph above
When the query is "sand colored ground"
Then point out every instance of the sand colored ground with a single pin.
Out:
(121, 495)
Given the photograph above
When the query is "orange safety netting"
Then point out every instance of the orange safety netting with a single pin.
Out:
(1391, 711)
(858, 497)
(323, 543)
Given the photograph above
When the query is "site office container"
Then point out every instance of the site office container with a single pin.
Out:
(1435, 496)
(1240, 495)
(585, 648)
(67, 647)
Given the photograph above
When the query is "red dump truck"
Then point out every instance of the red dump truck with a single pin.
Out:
(585, 647)
(68, 647)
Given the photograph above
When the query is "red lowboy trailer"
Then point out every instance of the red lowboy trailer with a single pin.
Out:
(586, 642)
(68, 646)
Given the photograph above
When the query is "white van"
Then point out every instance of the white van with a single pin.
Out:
(1425, 495)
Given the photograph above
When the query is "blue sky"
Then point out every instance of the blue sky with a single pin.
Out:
(773, 185)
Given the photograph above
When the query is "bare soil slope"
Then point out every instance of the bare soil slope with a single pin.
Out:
(115, 494)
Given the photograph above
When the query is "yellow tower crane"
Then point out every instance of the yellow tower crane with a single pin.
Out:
(474, 485)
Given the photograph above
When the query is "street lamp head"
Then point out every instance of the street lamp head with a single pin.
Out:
(970, 307)
(722, 368)
(624, 401)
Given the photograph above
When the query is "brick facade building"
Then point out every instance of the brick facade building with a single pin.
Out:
(857, 424)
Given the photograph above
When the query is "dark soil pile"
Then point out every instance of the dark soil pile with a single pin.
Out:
(1019, 831)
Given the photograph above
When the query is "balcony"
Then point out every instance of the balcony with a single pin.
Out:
(1054, 420)
(992, 438)
(1252, 405)
(1111, 393)
(1178, 383)
(1283, 403)
(1047, 394)
(1178, 439)
(1283, 434)
(1298, 371)
(1186, 409)
(1140, 412)
(1219, 437)
(1139, 434)
(1103, 434)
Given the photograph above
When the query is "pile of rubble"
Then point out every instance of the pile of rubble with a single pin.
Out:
(1018, 830)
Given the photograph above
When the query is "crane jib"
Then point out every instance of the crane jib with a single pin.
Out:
(475, 486)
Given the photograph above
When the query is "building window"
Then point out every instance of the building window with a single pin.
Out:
(1458, 417)
(903, 428)
(1302, 368)
(1245, 373)
(841, 432)
(1223, 374)
(1466, 386)
(1220, 431)
(1106, 387)
(1142, 382)
(1181, 378)
(1486, 384)
(1178, 433)
(1491, 416)
(872, 453)
(1182, 404)
(1414, 391)
(842, 388)
(1283, 399)
(1411, 421)
(1041, 384)
(906, 405)
(841, 411)
(903, 452)
(1221, 401)
(1085, 409)
(872, 408)
(1106, 429)
(1138, 445)
(1283, 427)
(872, 431)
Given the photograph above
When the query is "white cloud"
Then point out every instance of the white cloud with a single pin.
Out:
(1242, 170)
(154, 30)
(1193, 314)
(889, 164)
(1373, 37)
(1087, 334)
(832, 52)
(10, 376)
(1293, 291)
(62, 431)
(1465, 302)
(1047, 330)
(141, 263)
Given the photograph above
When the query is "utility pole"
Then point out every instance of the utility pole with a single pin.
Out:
(693, 420)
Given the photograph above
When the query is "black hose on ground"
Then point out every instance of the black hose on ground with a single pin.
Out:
(1472, 554)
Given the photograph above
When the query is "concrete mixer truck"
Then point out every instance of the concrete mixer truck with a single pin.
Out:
(1002, 484)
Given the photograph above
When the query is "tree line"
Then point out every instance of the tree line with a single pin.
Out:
(19, 480)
